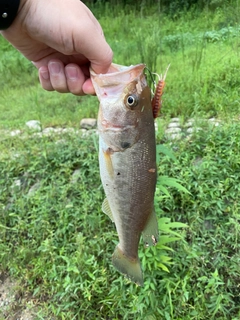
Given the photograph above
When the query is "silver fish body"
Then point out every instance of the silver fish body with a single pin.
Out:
(127, 159)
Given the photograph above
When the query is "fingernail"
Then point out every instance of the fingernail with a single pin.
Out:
(44, 74)
(54, 68)
(71, 73)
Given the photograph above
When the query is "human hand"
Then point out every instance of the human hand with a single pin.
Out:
(62, 39)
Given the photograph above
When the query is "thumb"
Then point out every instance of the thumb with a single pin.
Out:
(99, 54)
(89, 40)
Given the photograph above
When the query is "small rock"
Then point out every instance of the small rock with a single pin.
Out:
(175, 120)
(197, 162)
(15, 133)
(75, 176)
(49, 131)
(61, 141)
(37, 134)
(173, 130)
(69, 130)
(214, 121)
(208, 224)
(16, 185)
(15, 155)
(88, 123)
(34, 189)
(189, 123)
(173, 125)
(175, 136)
(88, 133)
(191, 130)
(34, 124)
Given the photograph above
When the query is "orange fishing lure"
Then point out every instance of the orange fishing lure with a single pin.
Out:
(156, 100)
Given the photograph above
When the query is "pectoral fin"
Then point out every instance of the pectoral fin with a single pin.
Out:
(108, 161)
(150, 232)
(106, 209)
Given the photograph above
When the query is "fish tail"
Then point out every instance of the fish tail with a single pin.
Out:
(129, 267)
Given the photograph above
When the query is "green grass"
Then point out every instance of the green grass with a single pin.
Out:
(202, 48)
(57, 241)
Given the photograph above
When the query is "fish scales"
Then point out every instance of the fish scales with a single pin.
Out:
(127, 159)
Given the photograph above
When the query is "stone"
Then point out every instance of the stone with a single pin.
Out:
(34, 189)
(190, 123)
(173, 125)
(15, 133)
(89, 133)
(175, 120)
(197, 162)
(34, 125)
(173, 130)
(175, 136)
(61, 141)
(69, 130)
(75, 176)
(16, 186)
(49, 131)
(15, 155)
(88, 123)
(191, 130)
(214, 121)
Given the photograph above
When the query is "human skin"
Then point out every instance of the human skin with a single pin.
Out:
(63, 39)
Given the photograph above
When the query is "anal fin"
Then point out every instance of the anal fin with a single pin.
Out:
(150, 233)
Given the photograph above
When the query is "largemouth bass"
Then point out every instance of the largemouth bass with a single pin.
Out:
(127, 159)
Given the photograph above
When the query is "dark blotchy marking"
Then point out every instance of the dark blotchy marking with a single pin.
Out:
(125, 145)
(118, 174)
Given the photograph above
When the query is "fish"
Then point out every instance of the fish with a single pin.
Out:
(127, 162)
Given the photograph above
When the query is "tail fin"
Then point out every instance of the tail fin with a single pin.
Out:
(129, 267)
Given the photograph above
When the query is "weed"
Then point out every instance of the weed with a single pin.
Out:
(53, 235)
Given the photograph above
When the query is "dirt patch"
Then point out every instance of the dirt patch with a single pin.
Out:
(12, 301)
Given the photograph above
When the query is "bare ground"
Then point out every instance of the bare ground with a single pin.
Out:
(14, 305)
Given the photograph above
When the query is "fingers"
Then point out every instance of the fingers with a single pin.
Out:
(75, 79)
(56, 76)
(52, 76)
(88, 87)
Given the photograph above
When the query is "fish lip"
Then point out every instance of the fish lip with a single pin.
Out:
(116, 128)
(108, 84)
(116, 69)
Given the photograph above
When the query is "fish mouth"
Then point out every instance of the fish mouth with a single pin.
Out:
(118, 74)
(115, 80)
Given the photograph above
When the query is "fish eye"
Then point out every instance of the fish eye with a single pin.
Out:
(131, 101)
